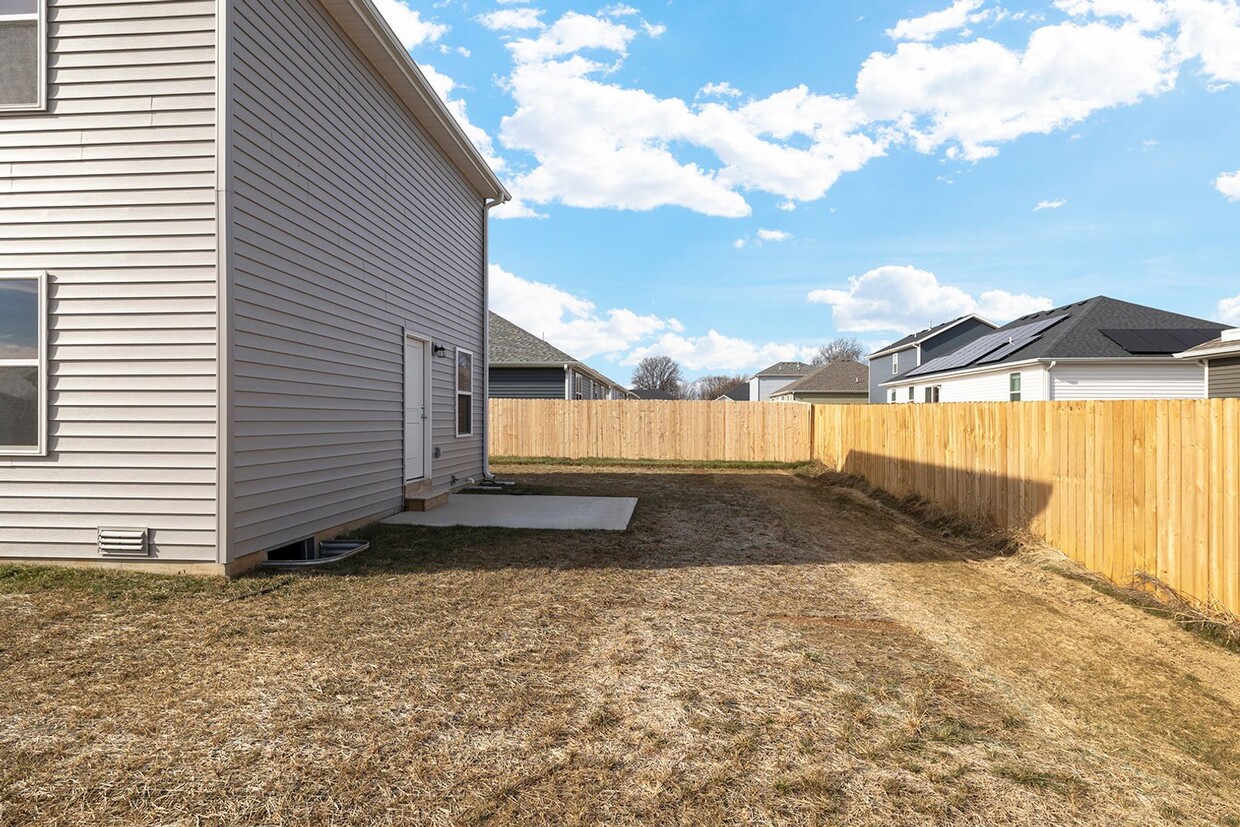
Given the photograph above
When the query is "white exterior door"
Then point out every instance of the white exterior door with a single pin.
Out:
(417, 418)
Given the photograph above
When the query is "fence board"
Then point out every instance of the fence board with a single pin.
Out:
(1121, 487)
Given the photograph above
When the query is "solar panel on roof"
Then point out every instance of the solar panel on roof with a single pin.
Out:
(986, 350)
(1147, 341)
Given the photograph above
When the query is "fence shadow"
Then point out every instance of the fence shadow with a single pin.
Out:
(983, 497)
(684, 519)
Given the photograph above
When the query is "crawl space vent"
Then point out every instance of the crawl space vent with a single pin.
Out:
(123, 542)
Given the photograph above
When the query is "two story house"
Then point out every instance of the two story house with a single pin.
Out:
(243, 253)
(906, 354)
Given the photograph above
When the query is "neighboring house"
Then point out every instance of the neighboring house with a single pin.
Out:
(1100, 348)
(835, 383)
(648, 394)
(777, 376)
(738, 394)
(1221, 358)
(912, 351)
(523, 366)
(246, 305)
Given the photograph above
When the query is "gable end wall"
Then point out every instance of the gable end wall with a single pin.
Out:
(349, 225)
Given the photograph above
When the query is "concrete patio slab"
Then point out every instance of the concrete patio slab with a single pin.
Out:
(532, 511)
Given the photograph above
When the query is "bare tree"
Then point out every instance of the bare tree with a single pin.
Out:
(659, 373)
(839, 350)
(713, 387)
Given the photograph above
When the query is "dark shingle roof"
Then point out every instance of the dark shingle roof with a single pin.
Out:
(833, 377)
(786, 369)
(738, 394)
(929, 332)
(1079, 334)
(642, 393)
(515, 345)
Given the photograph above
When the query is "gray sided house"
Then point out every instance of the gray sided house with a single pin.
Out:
(523, 366)
(915, 349)
(242, 280)
(1221, 358)
(835, 383)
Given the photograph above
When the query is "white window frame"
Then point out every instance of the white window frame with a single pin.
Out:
(40, 16)
(1017, 379)
(40, 362)
(895, 363)
(456, 382)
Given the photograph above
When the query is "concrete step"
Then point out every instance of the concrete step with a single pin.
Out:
(426, 501)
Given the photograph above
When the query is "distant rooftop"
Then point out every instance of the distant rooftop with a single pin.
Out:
(786, 369)
(1097, 328)
(928, 333)
(833, 377)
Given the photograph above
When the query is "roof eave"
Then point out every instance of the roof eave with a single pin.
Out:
(366, 27)
(1229, 349)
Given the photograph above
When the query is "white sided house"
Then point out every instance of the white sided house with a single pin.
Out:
(1101, 348)
(776, 377)
(242, 280)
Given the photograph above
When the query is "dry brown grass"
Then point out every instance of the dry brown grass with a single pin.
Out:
(759, 648)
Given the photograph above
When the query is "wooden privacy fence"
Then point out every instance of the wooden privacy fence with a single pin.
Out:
(630, 429)
(1122, 487)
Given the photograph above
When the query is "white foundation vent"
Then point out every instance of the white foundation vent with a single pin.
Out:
(124, 542)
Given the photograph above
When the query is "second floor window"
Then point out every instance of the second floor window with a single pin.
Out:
(23, 55)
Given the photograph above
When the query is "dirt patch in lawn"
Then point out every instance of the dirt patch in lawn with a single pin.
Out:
(757, 648)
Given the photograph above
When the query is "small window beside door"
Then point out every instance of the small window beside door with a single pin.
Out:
(464, 393)
(23, 55)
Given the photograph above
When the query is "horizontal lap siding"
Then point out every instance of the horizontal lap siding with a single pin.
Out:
(1225, 378)
(527, 383)
(112, 192)
(349, 226)
(1185, 380)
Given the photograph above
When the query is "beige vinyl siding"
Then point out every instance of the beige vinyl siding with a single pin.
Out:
(112, 192)
(1139, 380)
(1225, 377)
(349, 226)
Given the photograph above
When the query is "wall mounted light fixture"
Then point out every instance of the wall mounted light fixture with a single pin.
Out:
(439, 351)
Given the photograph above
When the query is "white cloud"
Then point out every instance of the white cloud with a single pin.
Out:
(971, 96)
(476, 134)
(740, 244)
(1051, 205)
(618, 10)
(1229, 310)
(715, 351)
(1147, 14)
(571, 323)
(654, 29)
(600, 144)
(1210, 31)
(591, 141)
(579, 328)
(902, 298)
(930, 26)
(786, 206)
(774, 235)
(718, 90)
(1229, 185)
(512, 19)
(408, 24)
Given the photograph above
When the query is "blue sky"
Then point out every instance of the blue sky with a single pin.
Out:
(733, 183)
